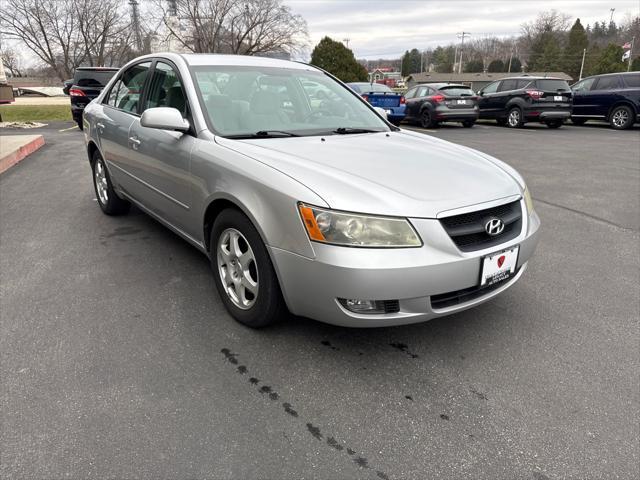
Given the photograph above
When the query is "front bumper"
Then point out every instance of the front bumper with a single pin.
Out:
(311, 287)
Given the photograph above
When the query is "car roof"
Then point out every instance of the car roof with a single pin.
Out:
(204, 59)
(108, 69)
(528, 77)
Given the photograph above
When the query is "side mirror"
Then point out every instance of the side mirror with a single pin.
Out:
(164, 118)
(480, 93)
(381, 111)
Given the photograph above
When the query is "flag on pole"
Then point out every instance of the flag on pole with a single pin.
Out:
(626, 55)
(626, 45)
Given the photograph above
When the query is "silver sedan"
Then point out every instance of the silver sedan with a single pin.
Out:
(304, 198)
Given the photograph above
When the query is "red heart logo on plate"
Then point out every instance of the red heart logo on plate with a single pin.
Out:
(501, 260)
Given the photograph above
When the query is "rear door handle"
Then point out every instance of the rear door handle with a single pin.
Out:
(135, 142)
(100, 126)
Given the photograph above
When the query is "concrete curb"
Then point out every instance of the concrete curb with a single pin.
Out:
(20, 151)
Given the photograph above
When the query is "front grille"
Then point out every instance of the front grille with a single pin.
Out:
(468, 229)
(451, 299)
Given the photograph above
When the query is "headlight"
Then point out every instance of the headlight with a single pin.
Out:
(528, 200)
(350, 229)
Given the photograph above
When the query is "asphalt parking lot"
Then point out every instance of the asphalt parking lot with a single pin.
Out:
(119, 360)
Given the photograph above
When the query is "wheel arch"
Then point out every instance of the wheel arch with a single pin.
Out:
(620, 103)
(92, 148)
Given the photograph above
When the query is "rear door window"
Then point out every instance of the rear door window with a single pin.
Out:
(632, 81)
(411, 93)
(607, 83)
(508, 85)
(125, 93)
(522, 83)
(552, 85)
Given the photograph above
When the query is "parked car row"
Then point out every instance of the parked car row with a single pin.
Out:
(86, 84)
(514, 101)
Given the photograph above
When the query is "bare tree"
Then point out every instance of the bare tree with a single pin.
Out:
(11, 61)
(102, 24)
(49, 28)
(246, 27)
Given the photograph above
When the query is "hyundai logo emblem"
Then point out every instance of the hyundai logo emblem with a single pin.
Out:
(494, 227)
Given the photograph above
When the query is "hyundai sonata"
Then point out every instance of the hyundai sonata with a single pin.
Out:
(303, 196)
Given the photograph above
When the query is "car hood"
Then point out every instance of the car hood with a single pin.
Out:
(396, 173)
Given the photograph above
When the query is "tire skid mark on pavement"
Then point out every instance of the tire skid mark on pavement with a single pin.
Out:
(313, 430)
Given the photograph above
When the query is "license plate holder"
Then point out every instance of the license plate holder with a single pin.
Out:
(499, 266)
(558, 98)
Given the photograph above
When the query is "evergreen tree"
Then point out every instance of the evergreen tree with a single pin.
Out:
(496, 66)
(338, 60)
(516, 65)
(475, 65)
(610, 60)
(573, 52)
(635, 65)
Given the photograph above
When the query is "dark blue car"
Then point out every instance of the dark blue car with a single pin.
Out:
(614, 97)
(379, 95)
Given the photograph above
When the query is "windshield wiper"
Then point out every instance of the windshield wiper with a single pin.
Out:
(348, 130)
(264, 134)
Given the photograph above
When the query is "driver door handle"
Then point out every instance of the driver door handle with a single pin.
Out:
(135, 142)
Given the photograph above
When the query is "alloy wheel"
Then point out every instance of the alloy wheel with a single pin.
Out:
(237, 268)
(620, 118)
(514, 118)
(102, 184)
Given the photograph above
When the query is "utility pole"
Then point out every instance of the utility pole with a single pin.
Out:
(584, 52)
(462, 36)
(611, 17)
(346, 41)
(630, 54)
(510, 58)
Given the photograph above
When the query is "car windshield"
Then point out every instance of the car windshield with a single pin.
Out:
(266, 101)
(374, 87)
(457, 91)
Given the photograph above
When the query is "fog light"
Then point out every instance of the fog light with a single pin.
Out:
(370, 306)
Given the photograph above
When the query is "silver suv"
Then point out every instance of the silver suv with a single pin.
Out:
(305, 199)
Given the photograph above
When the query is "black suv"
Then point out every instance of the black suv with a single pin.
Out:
(614, 97)
(517, 100)
(86, 85)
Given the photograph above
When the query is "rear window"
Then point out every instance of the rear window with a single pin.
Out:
(552, 85)
(93, 78)
(632, 81)
(454, 91)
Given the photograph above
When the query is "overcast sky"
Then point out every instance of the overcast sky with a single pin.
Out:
(386, 28)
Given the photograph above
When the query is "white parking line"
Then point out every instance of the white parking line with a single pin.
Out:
(67, 129)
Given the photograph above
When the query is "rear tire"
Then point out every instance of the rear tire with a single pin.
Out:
(108, 200)
(621, 118)
(426, 120)
(244, 275)
(514, 118)
(468, 123)
(578, 121)
(554, 123)
(80, 126)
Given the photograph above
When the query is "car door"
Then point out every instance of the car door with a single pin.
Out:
(582, 98)
(488, 100)
(119, 110)
(604, 93)
(160, 159)
(408, 97)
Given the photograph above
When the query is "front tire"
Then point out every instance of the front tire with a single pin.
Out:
(514, 118)
(244, 275)
(110, 203)
(621, 118)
